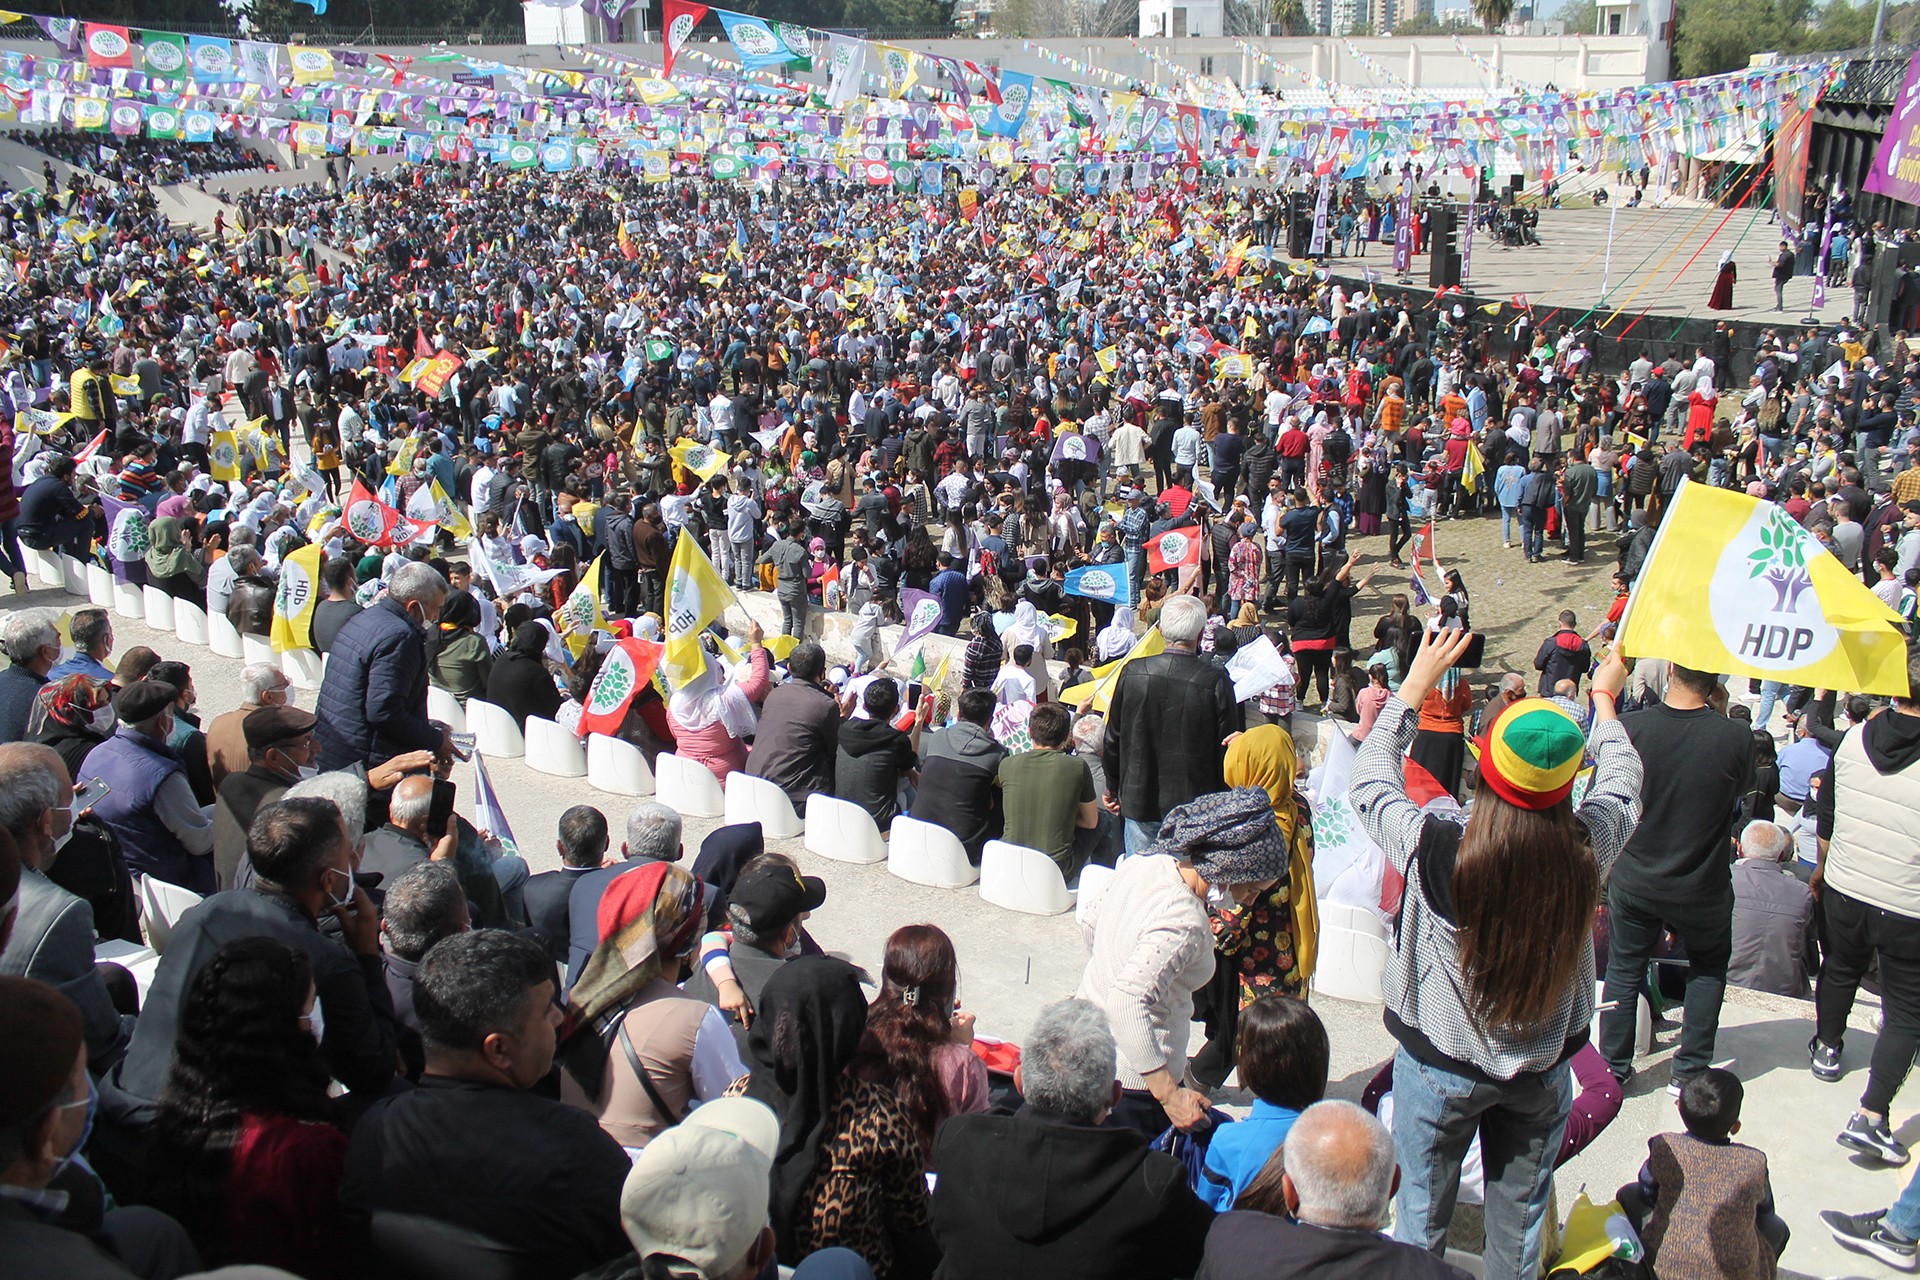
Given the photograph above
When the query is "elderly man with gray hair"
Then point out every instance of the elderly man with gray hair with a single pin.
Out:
(1049, 1189)
(653, 835)
(1772, 915)
(261, 685)
(1338, 1176)
(33, 648)
(1168, 720)
(373, 702)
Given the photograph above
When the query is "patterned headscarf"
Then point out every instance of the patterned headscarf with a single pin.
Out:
(648, 918)
(1230, 837)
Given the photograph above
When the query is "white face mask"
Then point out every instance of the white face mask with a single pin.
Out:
(347, 901)
(1218, 897)
(317, 1022)
(307, 771)
(73, 816)
(102, 719)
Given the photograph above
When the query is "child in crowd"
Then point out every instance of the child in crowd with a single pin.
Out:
(1282, 1053)
(1703, 1204)
(1015, 684)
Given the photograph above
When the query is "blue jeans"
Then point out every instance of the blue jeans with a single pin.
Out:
(510, 873)
(1904, 1216)
(1507, 516)
(1140, 835)
(1533, 532)
(1136, 572)
(1771, 691)
(1520, 1122)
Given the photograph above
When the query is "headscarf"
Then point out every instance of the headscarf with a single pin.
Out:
(713, 696)
(459, 610)
(168, 554)
(647, 918)
(529, 641)
(811, 1020)
(723, 854)
(1265, 757)
(72, 701)
(1116, 639)
(1024, 629)
(1229, 837)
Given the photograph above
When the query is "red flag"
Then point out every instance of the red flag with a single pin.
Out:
(92, 448)
(1174, 549)
(368, 519)
(628, 669)
(678, 19)
(1423, 543)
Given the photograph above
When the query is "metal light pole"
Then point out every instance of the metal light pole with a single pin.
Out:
(1879, 28)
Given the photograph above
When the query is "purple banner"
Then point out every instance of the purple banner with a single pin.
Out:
(1896, 165)
(1403, 233)
(922, 611)
(1318, 247)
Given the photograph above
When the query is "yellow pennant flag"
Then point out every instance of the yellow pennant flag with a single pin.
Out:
(703, 460)
(1476, 467)
(294, 601)
(580, 613)
(1106, 678)
(223, 456)
(124, 386)
(695, 598)
(1735, 586)
(446, 513)
(402, 462)
(1109, 358)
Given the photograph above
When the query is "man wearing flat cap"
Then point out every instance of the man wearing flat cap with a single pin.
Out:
(281, 749)
(149, 803)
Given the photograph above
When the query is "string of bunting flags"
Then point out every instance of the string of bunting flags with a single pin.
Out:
(926, 114)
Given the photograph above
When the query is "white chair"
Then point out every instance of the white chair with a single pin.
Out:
(190, 623)
(616, 765)
(258, 649)
(223, 636)
(159, 608)
(33, 562)
(130, 601)
(687, 787)
(1353, 953)
(142, 962)
(1642, 1021)
(494, 732)
(751, 799)
(551, 749)
(843, 831)
(99, 587)
(73, 577)
(926, 853)
(302, 666)
(161, 906)
(1023, 879)
(1093, 883)
(445, 708)
(50, 573)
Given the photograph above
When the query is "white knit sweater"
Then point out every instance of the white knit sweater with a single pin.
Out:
(1152, 948)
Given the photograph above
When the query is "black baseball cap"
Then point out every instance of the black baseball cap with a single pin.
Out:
(773, 895)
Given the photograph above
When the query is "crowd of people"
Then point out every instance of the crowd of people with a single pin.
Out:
(382, 1044)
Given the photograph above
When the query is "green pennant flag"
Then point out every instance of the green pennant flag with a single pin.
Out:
(163, 53)
(522, 155)
(659, 349)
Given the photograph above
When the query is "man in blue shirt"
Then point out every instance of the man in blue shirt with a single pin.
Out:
(1801, 761)
(92, 632)
(950, 585)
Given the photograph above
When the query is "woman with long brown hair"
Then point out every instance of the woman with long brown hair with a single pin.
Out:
(920, 1042)
(1490, 991)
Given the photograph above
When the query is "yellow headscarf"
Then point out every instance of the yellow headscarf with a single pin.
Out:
(1265, 758)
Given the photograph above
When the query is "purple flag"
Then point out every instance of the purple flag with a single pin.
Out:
(126, 539)
(1071, 446)
(1466, 242)
(1896, 165)
(923, 612)
(1820, 261)
(1403, 233)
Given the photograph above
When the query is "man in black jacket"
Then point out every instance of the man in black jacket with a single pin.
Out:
(583, 847)
(474, 1162)
(1048, 1188)
(373, 701)
(303, 869)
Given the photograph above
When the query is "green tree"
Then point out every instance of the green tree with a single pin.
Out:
(1722, 35)
(1493, 14)
(1581, 16)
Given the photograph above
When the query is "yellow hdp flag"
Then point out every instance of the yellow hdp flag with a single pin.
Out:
(1476, 467)
(123, 386)
(1106, 678)
(446, 513)
(1492, 308)
(702, 460)
(580, 613)
(1109, 358)
(223, 456)
(695, 597)
(412, 370)
(403, 461)
(294, 601)
(1736, 586)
